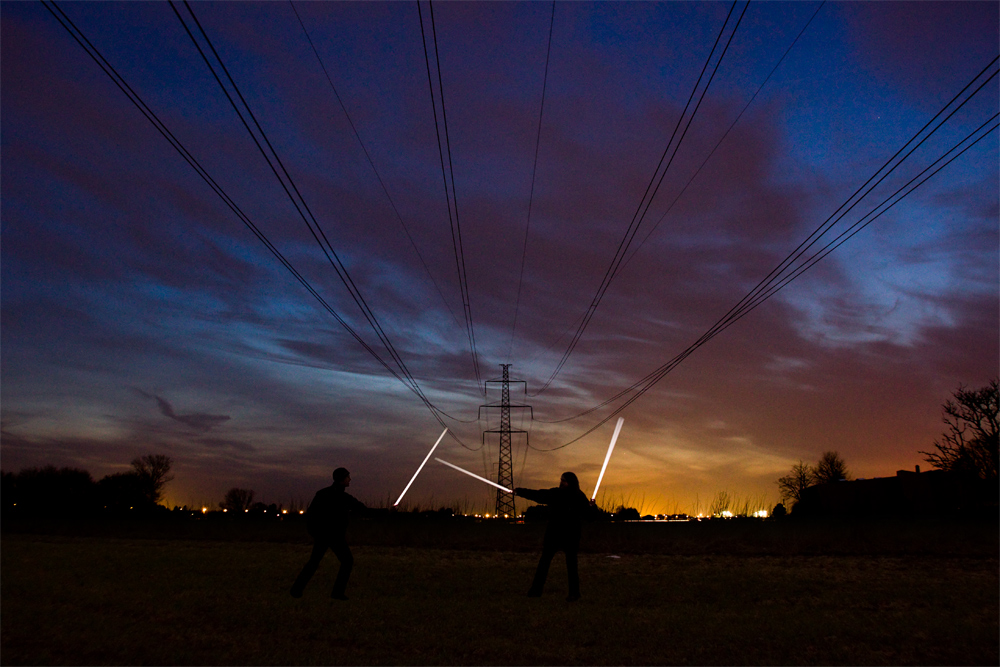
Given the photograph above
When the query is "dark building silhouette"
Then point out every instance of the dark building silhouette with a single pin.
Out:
(909, 493)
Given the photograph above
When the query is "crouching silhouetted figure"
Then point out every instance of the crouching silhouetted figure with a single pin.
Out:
(326, 521)
(568, 507)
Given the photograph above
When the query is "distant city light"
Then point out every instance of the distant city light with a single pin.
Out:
(224, 510)
(204, 510)
(727, 514)
(302, 511)
(284, 511)
(760, 514)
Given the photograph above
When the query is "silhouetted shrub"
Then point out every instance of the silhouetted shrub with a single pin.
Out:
(49, 491)
(124, 492)
(537, 513)
(237, 500)
(626, 514)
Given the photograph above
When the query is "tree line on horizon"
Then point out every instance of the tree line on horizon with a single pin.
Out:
(968, 448)
(51, 491)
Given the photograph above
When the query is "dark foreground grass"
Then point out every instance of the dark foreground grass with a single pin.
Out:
(100, 600)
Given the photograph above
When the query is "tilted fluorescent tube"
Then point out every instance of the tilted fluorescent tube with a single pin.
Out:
(618, 428)
(472, 474)
(421, 467)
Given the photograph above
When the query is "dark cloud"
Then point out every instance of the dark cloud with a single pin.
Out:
(929, 40)
(197, 421)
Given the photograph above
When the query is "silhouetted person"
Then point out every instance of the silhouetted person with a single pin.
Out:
(568, 507)
(326, 521)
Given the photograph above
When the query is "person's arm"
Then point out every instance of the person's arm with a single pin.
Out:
(541, 496)
(357, 505)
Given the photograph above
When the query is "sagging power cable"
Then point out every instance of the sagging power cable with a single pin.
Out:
(785, 272)
(534, 171)
(450, 193)
(298, 201)
(63, 19)
(721, 139)
(371, 162)
(652, 188)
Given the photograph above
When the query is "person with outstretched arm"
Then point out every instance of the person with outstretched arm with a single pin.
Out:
(568, 507)
(326, 521)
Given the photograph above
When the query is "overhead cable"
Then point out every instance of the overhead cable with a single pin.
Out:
(722, 138)
(788, 270)
(660, 373)
(534, 170)
(371, 162)
(188, 157)
(652, 188)
(450, 193)
(298, 201)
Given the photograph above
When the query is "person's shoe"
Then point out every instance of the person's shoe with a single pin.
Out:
(338, 596)
(534, 594)
(296, 593)
(572, 597)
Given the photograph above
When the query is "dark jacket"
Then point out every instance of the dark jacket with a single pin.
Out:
(329, 512)
(567, 510)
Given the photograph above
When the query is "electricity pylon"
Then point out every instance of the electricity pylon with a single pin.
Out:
(505, 469)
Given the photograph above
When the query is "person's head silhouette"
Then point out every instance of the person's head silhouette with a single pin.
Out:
(342, 477)
(569, 479)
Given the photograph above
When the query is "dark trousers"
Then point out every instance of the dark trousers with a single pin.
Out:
(343, 553)
(542, 571)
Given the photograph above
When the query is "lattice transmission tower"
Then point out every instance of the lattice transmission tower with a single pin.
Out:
(505, 467)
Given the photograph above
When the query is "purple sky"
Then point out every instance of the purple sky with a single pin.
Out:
(140, 315)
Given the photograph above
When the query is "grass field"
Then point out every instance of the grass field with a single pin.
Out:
(79, 599)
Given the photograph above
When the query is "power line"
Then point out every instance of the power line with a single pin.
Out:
(667, 368)
(298, 201)
(371, 162)
(779, 278)
(151, 116)
(534, 170)
(723, 138)
(287, 182)
(176, 144)
(450, 195)
(825, 226)
(651, 189)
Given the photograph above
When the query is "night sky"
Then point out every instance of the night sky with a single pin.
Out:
(141, 315)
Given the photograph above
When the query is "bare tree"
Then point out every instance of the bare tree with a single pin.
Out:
(237, 499)
(970, 443)
(831, 468)
(153, 469)
(792, 484)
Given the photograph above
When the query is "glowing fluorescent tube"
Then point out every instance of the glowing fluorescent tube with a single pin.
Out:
(618, 428)
(472, 474)
(421, 467)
